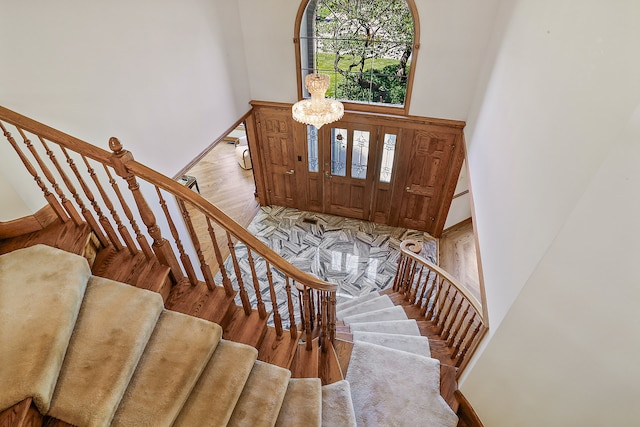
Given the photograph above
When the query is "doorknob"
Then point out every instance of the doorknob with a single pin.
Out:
(291, 172)
(326, 173)
(409, 190)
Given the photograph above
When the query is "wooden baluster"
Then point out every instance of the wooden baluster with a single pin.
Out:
(425, 285)
(140, 238)
(50, 197)
(66, 203)
(312, 310)
(308, 310)
(463, 336)
(106, 224)
(445, 315)
(184, 257)
(436, 300)
(324, 334)
(204, 266)
(293, 329)
(256, 286)
(438, 315)
(277, 320)
(434, 285)
(407, 284)
(398, 278)
(453, 318)
(301, 308)
(226, 283)
(244, 297)
(463, 353)
(332, 316)
(458, 325)
(161, 246)
(413, 294)
(92, 201)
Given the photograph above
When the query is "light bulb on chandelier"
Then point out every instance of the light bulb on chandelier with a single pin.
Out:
(318, 110)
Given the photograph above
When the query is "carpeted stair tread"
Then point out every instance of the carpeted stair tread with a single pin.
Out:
(41, 290)
(355, 301)
(262, 396)
(402, 327)
(383, 315)
(337, 407)
(113, 327)
(370, 305)
(393, 387)
(409, 343)
(302, 405)
(216, 393)
(174, 358)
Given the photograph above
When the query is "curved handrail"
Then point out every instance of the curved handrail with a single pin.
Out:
(172, 187)
(409, 247)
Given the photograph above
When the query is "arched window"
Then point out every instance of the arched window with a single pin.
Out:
(367, 47)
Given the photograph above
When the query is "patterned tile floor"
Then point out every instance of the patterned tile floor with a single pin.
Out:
(359, 256)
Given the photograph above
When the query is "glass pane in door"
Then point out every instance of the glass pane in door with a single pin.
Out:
(388, 153)
(338, 152)
(312, 148)
(360, 154)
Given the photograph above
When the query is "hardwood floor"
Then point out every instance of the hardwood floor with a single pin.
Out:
(458, 256)
(225, 184)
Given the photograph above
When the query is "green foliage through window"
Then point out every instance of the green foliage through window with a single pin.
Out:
(364, 45)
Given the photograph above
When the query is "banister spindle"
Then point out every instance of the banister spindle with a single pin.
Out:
(463, 336)
(425, 285)
(293, 329)
(140, 238)
(87, 192)
(436, 300)
(244, 297)
(468, 344)
(439, 315)
(161, 246)
(256, 285)
(324, 334)
(428, 299)
(413, 294)
(445, 314)
(204, 266)
(277, 320)
(458, 325)
(106, 224)
(50, 197)
(184, 257)
(226, 283)
(451, 322)
(308, 310)
(66, 203)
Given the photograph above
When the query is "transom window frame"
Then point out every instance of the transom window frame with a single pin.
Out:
(355, 106)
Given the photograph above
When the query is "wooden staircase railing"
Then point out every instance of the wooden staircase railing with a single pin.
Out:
(128, 205)
(454, 312)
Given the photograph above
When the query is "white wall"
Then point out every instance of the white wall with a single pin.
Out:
(553, 158)
(12, 204)
(454, 35)
(460, 209)
(165, 77)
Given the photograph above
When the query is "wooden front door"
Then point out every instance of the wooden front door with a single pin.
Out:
(433, 161)
(277, 147)
(349, 169)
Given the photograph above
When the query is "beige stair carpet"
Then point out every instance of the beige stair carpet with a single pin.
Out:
(383, 315)
(173, 360)
(394, 388)
(113, 327)
(262, 396)
(370, 305)
(337, 406)
(403, 327)
(216, 393)
(355, 301)
(302, 405)
(409, 343)
(41, 290)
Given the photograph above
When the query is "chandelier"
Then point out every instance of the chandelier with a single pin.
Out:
(318, 110)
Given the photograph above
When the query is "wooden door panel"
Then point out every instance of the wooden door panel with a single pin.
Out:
(428, 170)
(278, 156)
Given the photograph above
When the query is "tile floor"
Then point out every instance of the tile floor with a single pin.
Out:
(359, 256)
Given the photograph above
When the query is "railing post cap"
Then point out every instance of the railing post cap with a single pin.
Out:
(115, 145)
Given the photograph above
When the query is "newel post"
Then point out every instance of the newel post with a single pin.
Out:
(161, 246)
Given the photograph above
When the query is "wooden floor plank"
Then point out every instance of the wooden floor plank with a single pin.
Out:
(199, 301)
(244, 329)
(278, 350)
(23, 414)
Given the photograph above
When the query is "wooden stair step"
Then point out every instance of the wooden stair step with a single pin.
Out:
(305, 362)
(21, 414)
(199, 301)
(276, 350)
(66, 236)
(239, 327)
